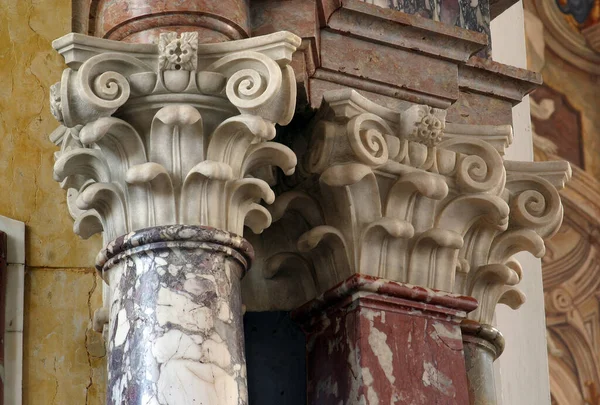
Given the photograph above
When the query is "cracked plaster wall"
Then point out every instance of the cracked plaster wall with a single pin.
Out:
(63, 359)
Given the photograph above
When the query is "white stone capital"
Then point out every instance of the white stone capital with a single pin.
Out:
(174, 133)
(407, 197)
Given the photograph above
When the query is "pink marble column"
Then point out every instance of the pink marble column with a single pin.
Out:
(142, 21)
(373, 341)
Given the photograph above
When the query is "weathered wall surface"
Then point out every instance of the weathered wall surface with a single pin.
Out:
(63, 361)
(568, 115)
(581, 91)
(566, 123)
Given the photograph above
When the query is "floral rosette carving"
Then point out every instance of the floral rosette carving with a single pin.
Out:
(423, 124)
(178, 51)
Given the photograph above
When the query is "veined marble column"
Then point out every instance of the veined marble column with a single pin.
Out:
(167, 150)
(431, 208)
(176, 333)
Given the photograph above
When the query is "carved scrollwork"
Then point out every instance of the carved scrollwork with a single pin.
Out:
(189, 161)
(403, 202)
(261, 87)
(535, 204)
(97, 89)
(366, 134)
(479, 167)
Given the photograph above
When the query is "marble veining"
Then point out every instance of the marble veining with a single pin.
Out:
(470, 14)
(473, 15)
(176, 334)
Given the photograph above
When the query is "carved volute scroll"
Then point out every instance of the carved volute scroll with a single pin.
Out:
(407, 197)
(171, 134)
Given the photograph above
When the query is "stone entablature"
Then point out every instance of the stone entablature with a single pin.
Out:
(394, 58)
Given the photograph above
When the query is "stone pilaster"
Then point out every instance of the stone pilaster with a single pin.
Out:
(166, 149)
(406, 197)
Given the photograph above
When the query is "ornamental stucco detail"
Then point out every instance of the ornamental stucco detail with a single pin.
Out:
(178, 133)
(407, 197)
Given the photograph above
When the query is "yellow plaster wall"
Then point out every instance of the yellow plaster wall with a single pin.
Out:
(63, 361)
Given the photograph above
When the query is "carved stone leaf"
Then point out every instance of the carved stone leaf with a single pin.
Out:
(175, 152)
(403, 201)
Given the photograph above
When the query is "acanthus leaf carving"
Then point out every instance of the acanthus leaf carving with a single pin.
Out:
(403, 201)
(172, 134)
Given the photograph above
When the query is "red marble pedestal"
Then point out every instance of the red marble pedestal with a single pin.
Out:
(373, 341)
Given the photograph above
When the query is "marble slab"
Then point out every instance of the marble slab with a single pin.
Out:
(472, 15)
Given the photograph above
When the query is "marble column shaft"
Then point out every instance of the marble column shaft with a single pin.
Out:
(176, 334)
(144, 21)
(373, 341)
(483, 345)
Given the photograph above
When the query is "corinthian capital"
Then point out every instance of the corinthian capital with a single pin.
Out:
(407, 197)
(174, 133)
